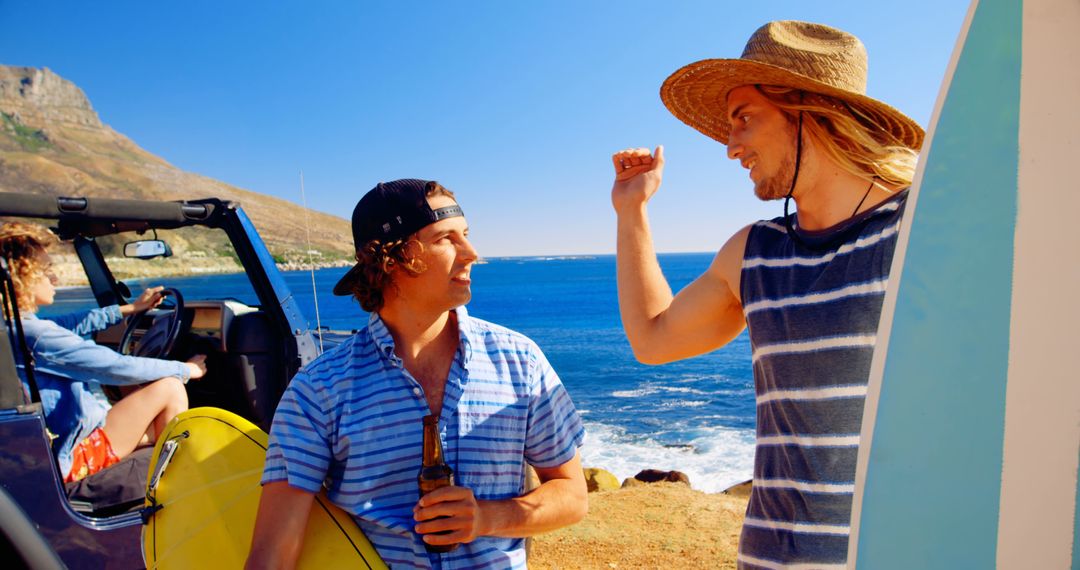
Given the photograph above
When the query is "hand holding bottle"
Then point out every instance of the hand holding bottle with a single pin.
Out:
(448, 516)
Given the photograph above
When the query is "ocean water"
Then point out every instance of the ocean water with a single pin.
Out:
(696, 416)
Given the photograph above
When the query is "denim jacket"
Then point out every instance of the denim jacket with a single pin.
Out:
(65, 364)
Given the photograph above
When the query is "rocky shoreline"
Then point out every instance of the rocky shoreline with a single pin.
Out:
(656, 525)
(70, 273)
(652, 520)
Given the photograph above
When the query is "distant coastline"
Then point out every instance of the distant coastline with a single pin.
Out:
(70, 273)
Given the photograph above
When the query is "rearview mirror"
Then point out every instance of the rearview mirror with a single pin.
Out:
(147, 249)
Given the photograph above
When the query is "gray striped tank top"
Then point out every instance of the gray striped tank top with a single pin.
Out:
(812, 312)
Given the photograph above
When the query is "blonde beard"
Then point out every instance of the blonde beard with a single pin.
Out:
(776, 187)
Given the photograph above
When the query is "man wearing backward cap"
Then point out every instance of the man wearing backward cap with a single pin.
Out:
(808, 286)
(352, 419)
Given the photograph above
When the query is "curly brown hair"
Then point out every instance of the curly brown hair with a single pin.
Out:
(24, 246)
(376, 261)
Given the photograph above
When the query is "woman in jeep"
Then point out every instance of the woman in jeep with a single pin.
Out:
(89, 434)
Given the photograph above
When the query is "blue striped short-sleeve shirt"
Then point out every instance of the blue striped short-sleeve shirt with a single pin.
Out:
(351, 421)
(812, 314)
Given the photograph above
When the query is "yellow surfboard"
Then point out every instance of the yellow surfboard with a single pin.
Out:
(204, 483)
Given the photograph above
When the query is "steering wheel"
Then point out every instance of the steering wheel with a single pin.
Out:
(160, 338)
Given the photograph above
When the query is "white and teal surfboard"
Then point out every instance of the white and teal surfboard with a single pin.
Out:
(971, 437)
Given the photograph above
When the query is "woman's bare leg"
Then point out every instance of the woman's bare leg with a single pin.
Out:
(144, 412)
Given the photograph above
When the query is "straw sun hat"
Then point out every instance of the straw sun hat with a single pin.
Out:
(805, 56)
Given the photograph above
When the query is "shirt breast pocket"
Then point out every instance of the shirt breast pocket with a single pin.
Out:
(490, 455)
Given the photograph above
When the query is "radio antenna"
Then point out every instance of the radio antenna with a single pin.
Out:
(311, 264)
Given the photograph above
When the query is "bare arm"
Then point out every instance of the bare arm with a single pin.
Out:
(149, 299)
(279, 526)
(560, 500)
(662, 327)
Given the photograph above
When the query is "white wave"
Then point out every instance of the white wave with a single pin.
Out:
(647, 391)
(714, 460)
(700, 378)
(650, 389)
(683, 404)
(720, 418)
(683, 390)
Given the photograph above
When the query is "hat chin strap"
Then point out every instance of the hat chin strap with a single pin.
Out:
(794, 179)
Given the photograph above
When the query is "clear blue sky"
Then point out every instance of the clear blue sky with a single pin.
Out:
(516, 106)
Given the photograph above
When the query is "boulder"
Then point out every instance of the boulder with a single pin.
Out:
(739, 489)
(655, 476)
(597, 479)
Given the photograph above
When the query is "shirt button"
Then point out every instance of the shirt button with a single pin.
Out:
(416, 391)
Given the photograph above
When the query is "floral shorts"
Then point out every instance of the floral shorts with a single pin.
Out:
(91, 455)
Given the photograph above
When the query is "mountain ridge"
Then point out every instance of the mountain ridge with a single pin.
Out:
(52, 142)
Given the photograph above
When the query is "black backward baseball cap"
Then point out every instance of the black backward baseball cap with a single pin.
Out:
(391, 211)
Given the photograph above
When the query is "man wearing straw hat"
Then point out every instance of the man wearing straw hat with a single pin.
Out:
(808, 286)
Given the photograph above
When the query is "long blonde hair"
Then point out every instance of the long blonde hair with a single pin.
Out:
(849, 137)
(23, 246)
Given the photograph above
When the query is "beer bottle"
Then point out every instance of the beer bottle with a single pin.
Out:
(434, 472)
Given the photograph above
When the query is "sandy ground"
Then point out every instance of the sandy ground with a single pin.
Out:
(663, 525)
